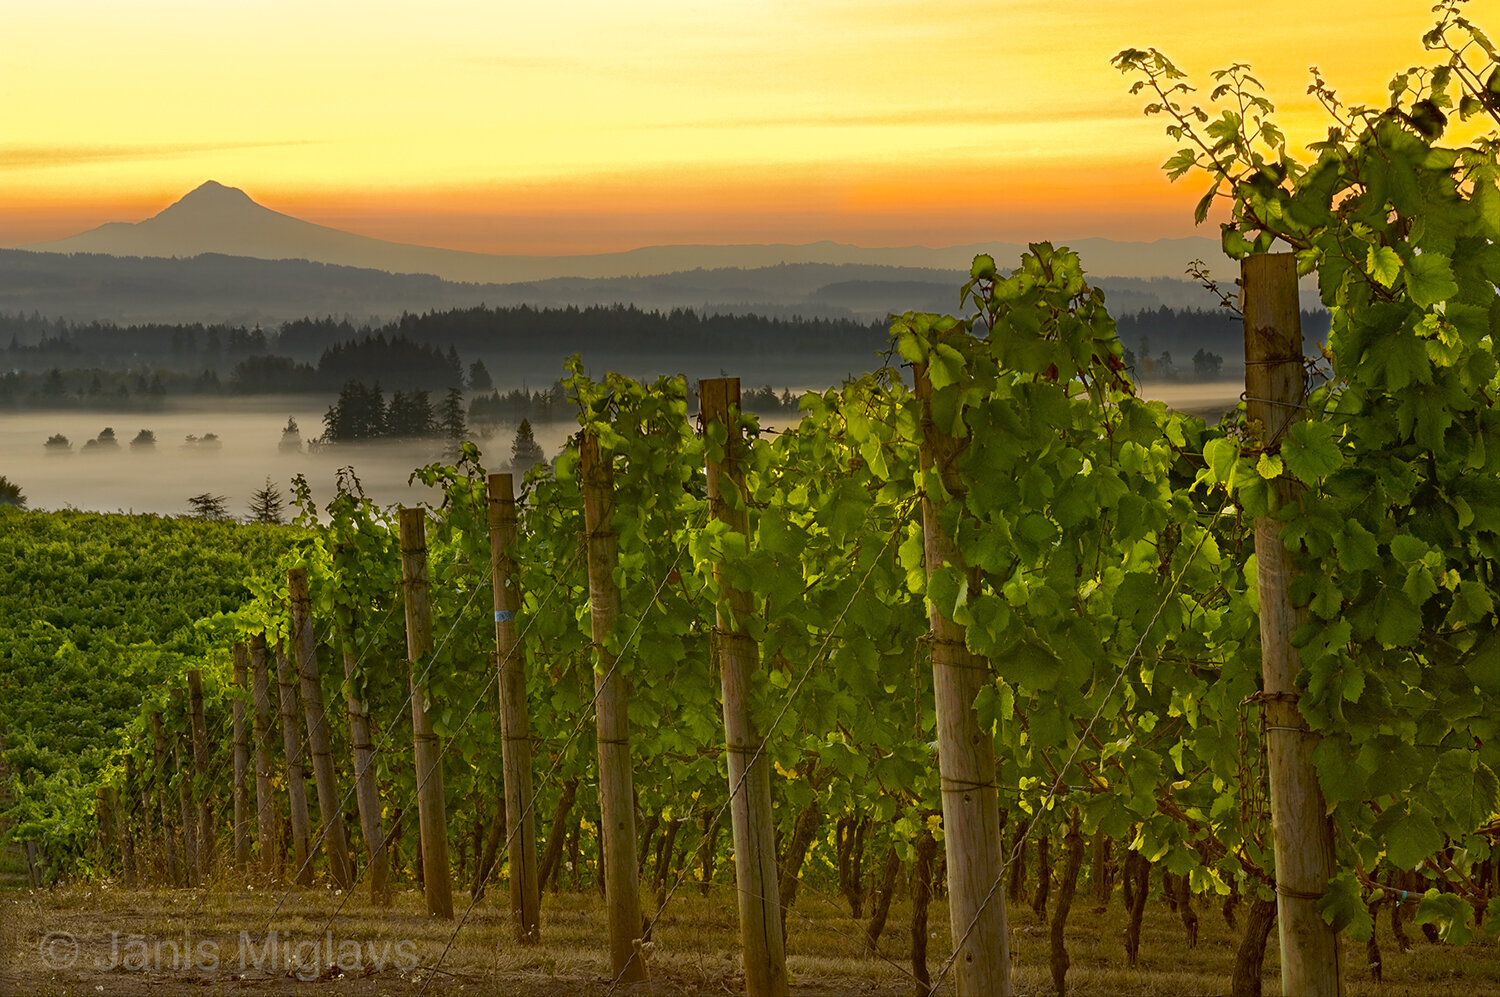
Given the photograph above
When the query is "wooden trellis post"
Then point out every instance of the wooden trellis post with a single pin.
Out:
(751, 815)
(1274, 393)
(296, 785)
(622, 894)
(121, 803)
(168, 834)
(265, 791)
(515, 722)
(151, 846)
(187, 811)
(966, 752)
(205, 834)
(330, 805)
(432, 813)
(106, 838)
(241, 761)
(366, 790)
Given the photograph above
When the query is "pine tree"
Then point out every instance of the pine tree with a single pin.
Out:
(266, 505)
(291, 437)
(410, 414)
(455, 366)
(10, 493)
(208, 506)
(479, 377)
(451, 420)
(525, 451)
(359, 414)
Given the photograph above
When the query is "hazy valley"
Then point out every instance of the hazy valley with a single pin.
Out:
(201, 319)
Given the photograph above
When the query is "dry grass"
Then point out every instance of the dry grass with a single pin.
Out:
(694, 949)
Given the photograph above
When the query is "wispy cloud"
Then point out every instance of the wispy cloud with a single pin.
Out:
(34, 157)
(895, 118)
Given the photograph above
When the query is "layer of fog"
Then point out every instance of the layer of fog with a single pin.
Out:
(161, 478)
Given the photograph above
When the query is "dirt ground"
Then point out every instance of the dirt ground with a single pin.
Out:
(93, 940)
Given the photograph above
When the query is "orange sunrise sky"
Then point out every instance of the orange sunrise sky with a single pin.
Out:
(589, 126)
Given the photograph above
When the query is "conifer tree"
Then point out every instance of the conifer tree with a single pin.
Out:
(266, 505)
(525, 451)
(10, 493)
(479, 377)
(451, 420)
(291, 437)
(208, 506)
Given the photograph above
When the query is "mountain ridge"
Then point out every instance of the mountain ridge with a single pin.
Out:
(213, 288)
(215, 218)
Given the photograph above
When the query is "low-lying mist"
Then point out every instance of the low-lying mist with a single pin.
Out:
(161, 478)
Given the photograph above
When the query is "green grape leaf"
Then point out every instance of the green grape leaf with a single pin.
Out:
(1429, 279)
(1407, 548)
(1466, 786)
(944, 366)
(1357, 547)
(1383, 265)
(1450, 913)
(1412, 837)
(1343, 907)
(1398, 622)
(1310, 452)
(1221, 454)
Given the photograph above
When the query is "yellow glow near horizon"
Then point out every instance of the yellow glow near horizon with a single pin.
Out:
(593, 126)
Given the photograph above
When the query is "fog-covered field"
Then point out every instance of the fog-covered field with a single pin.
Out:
(1208, 399)
(160, 479)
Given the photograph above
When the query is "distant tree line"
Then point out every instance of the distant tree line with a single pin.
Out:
(627, 328)
(57, 364)
(397, 361)
(362, 413)
(520, 403)
(36, 343)
(92, 388)
(1194, 343)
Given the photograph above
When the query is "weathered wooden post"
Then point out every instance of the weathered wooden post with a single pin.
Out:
(187, 811)
(966, 751)
(36, 864)
(105, 837)
(296, 785)
(265, 787)
(432, 812)
(515, 722)
(205, 834)
(168, 834)
(622, 885)
(1274, 391)
(751, 816)
(241, 760)
(150, 854)
(119, 803)
(366, 789)
(330, 805)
